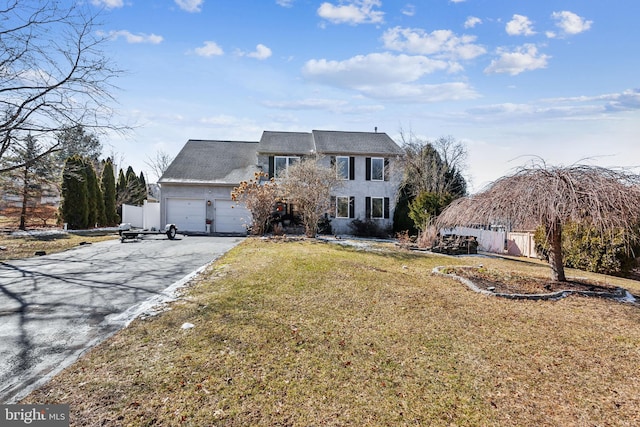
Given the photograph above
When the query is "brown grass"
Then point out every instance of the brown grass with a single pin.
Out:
(19, 247)
(305, 333)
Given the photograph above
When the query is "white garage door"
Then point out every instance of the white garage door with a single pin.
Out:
(187, 214)
(230, 217)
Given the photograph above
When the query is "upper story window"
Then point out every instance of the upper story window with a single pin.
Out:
(377, 169)
(281, 163)
(342, 167)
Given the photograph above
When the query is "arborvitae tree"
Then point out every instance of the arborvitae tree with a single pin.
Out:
(131, 190)
(74, 208)
(120, 187)
(96, 206)
(131, 175)
(108, 184)
(143, 187)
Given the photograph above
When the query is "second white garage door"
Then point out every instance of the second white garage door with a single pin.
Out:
(230, 217)
(187, 214)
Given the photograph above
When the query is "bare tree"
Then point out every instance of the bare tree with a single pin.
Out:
(308, 185)
(54, 74)
(259, 195)
(433, 166)
(159, 163)
(541, 195)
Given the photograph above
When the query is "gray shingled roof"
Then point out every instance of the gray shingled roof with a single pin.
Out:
(337, 142)
(226, 162)
(284, 143)
(229, 162)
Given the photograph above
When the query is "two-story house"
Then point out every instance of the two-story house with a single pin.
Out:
(196, 188)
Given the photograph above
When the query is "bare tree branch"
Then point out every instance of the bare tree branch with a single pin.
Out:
(53, 72)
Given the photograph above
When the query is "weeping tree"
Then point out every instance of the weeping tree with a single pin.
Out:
(549, 196)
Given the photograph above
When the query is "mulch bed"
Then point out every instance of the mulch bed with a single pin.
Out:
(515, 283)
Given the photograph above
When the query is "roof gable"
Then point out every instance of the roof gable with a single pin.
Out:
(213, 162)
(299, 143)
(364, 143)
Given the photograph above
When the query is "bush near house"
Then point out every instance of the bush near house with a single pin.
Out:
(368, 228)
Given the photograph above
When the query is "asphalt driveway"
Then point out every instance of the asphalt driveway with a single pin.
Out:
(54, 307)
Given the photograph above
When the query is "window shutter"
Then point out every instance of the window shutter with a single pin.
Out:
(271, 166)
(352, 207)
(386, 208)
(367, 202)
(352, 168)
(367, 169)
(334, 207)
(386, 170)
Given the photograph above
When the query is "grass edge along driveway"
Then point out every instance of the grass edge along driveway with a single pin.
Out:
(307, 333)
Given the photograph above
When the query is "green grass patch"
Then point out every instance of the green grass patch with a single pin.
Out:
(307, 333)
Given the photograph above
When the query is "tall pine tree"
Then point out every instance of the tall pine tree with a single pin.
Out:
(94, 195)
(74, 208)
(108, 184)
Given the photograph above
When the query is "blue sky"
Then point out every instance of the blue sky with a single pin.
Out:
(510, 78)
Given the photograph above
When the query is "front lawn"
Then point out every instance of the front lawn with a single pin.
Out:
(305, 333)
(26, 245)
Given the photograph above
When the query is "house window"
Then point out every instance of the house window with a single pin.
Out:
(342, 167)
(281, 163)
(377, 169)
(342, 207)
(377, 207)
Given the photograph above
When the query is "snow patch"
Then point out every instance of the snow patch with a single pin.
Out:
(150, 307)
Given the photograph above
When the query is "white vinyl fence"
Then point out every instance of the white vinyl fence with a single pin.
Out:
(146, 216)
(521, 244)
(488, 240)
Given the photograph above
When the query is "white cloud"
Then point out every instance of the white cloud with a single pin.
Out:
(109, 4)
(285, 3)
(372, 69)
(520, 26)
(339, 106)
(441, 43)
(570, 23)
(387, 76)
(209, 49)
(409, 10)
(134, 38)
(457, 1)
(261, 52)
(524, 58)
(353, 12)
(472, 21)
(623, 101)
(421, 93)
(190, 5)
